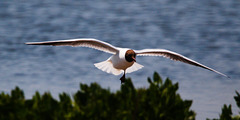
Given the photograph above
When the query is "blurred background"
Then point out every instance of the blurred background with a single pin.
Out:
(207, 31)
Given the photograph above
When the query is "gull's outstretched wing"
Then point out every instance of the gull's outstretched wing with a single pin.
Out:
(84, 42)
(173, 56)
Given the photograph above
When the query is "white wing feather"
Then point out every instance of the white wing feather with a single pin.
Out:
(84, 42)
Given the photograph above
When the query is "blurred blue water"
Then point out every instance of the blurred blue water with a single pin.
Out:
(206, 31)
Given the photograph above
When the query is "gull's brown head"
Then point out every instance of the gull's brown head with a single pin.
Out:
(130, 56)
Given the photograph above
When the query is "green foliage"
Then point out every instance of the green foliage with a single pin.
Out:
(159, 101)
(226, 113)
(227, 110)
(237, 99)
(13, 104)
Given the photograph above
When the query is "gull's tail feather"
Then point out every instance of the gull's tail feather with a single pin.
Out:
(107, 66)
(134, 67)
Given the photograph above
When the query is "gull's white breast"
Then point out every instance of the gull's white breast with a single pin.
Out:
(119, 61)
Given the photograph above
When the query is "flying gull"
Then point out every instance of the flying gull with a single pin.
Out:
(123, 60)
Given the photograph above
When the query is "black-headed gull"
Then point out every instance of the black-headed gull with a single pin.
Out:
(123, 59)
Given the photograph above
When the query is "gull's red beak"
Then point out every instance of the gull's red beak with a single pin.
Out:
(134, 59)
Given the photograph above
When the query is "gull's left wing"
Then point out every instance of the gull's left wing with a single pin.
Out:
(173, 56)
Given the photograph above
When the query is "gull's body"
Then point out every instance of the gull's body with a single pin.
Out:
(123, 59)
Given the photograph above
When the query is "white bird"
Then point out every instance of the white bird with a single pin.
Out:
(123, 59)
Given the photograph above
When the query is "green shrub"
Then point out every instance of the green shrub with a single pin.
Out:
(227, 110)
(159, 101)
